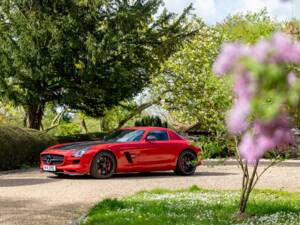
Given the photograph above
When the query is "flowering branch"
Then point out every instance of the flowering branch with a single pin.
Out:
(264, 85)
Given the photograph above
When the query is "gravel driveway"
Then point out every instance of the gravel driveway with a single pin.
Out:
(31, 197)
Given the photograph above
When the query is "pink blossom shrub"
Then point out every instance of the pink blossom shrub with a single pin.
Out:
(264, 84)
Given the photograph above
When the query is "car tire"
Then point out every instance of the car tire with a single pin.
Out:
(103, 165)
(184, 166)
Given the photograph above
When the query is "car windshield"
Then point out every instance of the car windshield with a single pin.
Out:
(125, 136)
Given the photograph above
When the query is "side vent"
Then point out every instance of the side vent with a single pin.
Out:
(128, 157)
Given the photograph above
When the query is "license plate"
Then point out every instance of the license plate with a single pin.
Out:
(49, 168)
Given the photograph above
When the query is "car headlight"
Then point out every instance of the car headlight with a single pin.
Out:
(81, 152)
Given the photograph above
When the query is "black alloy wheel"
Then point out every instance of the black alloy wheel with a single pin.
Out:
(186, 163)
(103, 165)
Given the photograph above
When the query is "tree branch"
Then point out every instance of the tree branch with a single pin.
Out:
(56, 121)
(258, 176)
(138, 110)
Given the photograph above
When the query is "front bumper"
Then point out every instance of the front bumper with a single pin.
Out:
(70, 165)
(67, 169)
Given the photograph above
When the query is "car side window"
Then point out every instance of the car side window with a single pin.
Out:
(139, 135)
(131, 136)
(159, 135)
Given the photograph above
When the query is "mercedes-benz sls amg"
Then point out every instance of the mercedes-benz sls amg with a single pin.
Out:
(136, 149)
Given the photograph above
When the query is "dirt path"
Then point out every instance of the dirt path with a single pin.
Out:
(30, 197)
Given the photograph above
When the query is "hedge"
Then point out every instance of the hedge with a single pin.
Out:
(20, 146)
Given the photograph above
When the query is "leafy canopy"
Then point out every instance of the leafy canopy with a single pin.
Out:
(190, 90)
(88, 55)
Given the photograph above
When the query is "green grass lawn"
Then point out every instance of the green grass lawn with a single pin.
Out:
(196, 206)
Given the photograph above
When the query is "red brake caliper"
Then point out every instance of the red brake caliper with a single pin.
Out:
(107, 166)
(182, 163)
(103, 165)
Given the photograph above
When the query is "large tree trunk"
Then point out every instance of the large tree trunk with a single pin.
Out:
(101, 124)
(34, 115)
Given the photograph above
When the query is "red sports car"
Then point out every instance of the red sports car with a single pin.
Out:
(136, 149)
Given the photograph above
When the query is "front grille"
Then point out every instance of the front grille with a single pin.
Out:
(52, 159)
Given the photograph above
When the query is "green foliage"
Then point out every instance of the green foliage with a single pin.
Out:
(116, 114)
(60, 124)
(189, 89)
(66, 129)
(196, 206)
(216, 147)
(21, 146)
(88, 55)
(191, 92)
(248, 28)
(274, 92)
(293, 27)
(295, 112)
(151, 121)
(9, 114)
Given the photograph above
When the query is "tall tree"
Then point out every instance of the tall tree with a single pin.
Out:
(188, 86)
(87, 55)
(248, 28)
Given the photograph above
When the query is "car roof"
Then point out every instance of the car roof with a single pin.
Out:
(145, 128)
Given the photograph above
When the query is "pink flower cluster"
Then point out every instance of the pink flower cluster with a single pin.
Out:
(244, 89)
(264, 137)
(280, 49)
(259, 136)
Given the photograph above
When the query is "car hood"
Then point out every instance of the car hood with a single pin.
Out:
(78, 145)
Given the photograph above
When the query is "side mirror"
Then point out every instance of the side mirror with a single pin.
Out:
(151, 138)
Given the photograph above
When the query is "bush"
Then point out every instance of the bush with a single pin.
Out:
(21, 146)
(216, 147)
(151, 121)
(66, 129)
(81, 137)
